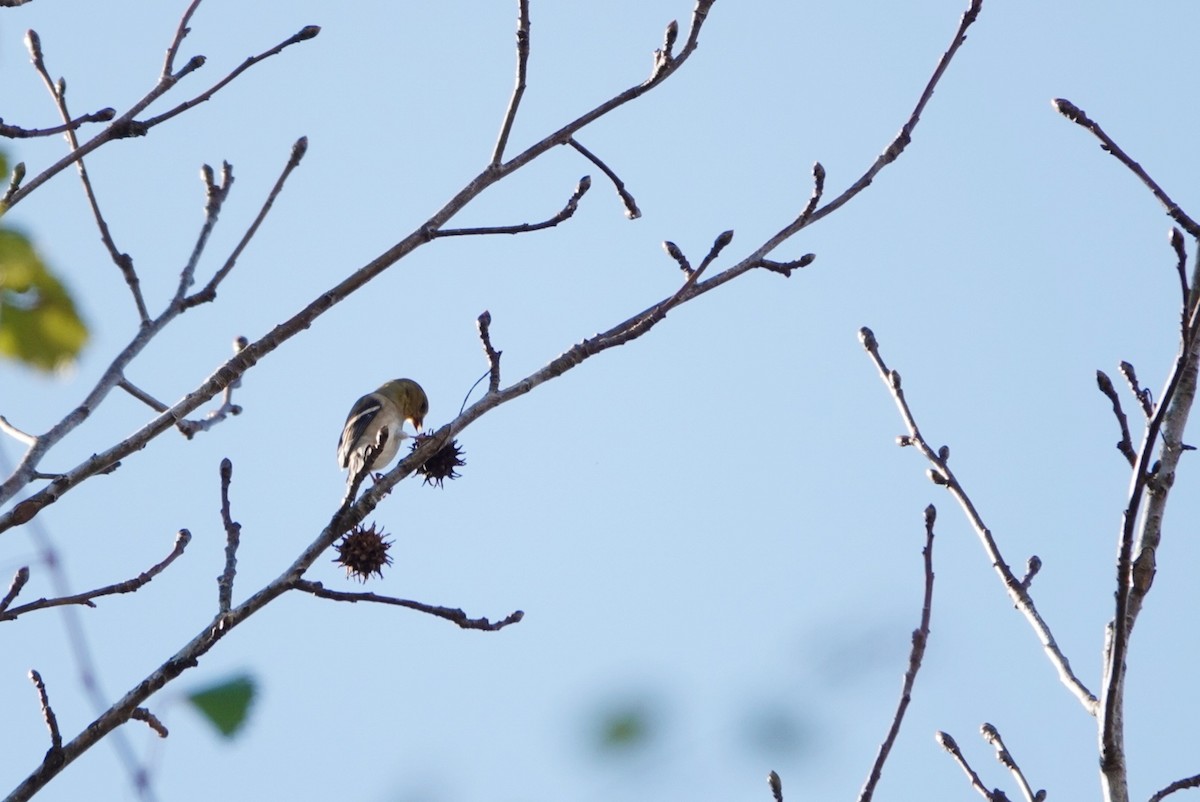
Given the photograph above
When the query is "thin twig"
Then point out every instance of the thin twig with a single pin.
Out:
(17, 132)
(126, 125)
(920, 637)
(1178, 785)
(142, 395)
(233, 534)
(493, 356)
(87, 598)
(1076, 115)
(452, 614)
(20, 578)
(12, 431)
(942, 474)
(631, 208)
(947, 742)
(48, 716)
(209, 292)
(142, 714)
(786, 268)
(215, 193)
(181, 31)
(123, 261)
(565, 213)
(992, 736)
(192, 426)
(1125, 444)
(510, 114)
(303, 35)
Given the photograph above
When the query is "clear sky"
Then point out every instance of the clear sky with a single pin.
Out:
(712, 524)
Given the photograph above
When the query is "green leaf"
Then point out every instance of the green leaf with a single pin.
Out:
(225, 705)
(38, 322)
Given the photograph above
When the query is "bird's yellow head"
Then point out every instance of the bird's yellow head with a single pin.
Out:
(408, 396)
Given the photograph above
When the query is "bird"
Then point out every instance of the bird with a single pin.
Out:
(395, 403)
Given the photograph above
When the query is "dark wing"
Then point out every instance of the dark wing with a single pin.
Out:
(361, 414)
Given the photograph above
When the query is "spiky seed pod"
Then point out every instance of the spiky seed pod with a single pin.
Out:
(364, 551)
(441, 465)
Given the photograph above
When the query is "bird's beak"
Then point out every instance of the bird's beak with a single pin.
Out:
(418, 424)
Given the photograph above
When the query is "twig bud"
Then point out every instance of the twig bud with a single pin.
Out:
(1069, 110)
(776, 786)
(937, 477)
(33, 43)
(669, 38)
(946, 741)
(867, 338)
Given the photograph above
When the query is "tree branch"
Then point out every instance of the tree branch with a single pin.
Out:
(631, 208)
(1076, 115)
(565, 213)
(87, 598)
(941, 474)
(454, 615)
(518, 92)
(920, 637)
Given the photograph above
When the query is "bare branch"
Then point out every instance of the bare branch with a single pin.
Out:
(454, 615)
(947, 742)
(514, 102)
(233, 534)
(15, 433)
(17, 132)
(631, 208)
(1125, 444)
(889, 155)
(565, 213)
(123, 261)
(181, 31)
(920, 637)
(1076, 115)
(142, 714)
(992, 736)
(209, 292)
(55, 752)
(493, 356)
(126, 125)
(87, 598)
(942, 474)
(786, 268)
(1178, 785)
(232, 370)
(190, 428)
(303, 35)
(215, 193)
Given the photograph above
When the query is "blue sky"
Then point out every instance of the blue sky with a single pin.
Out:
(712, 522)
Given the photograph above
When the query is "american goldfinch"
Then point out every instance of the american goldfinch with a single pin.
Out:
(386, 409)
